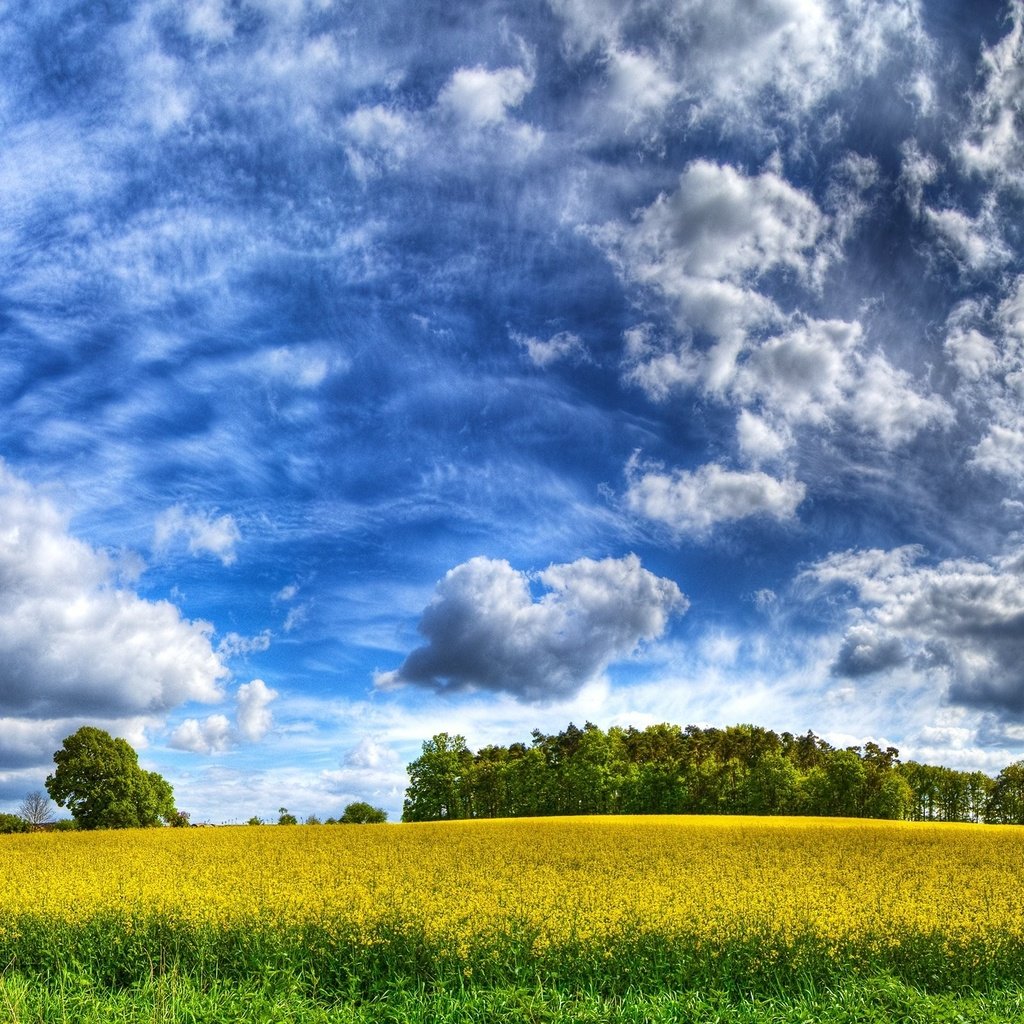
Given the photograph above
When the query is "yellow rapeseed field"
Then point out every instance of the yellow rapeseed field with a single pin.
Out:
(556, 880)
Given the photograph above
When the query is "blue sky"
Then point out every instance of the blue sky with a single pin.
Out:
(369, 371)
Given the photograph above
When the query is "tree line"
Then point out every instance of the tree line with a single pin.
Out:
(97, 777)
(668, 769)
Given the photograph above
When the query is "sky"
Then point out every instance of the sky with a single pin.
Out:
(374, 370)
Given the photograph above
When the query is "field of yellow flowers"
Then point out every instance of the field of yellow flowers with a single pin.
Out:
(603, 902)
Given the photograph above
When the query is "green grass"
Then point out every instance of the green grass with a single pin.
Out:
(110, 970)
(174, 1000)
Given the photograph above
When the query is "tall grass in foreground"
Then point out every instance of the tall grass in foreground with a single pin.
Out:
(605, 910)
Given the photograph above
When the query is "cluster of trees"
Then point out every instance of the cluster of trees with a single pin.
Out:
(357, 813)
(666, 769)
(99, 780)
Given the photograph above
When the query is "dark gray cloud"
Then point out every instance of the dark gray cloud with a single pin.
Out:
(486, 631)
(959, 621)
(865, 651)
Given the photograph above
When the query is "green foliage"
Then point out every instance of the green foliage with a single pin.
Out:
(99, 780)
(436, 789)
(362, 813)
(285, 817)
(13, 823)
(665, 769)
(1006, 801)
(254, 820)
(180, 997)
(64, 825)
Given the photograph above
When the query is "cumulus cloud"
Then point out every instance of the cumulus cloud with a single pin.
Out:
(485, 630)
(759, 440)
(216, 734)
(210, 735)
(253, 714)
(974, 242)
(705, 248)
(71, 640)
(960, 621)
(478, 96)
(694, 502)
(202, 533)
(727, 58)
(970, 350)
(721, 225)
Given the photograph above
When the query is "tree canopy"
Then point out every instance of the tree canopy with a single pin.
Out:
(99, 780)
(361, 813)
(666, 769)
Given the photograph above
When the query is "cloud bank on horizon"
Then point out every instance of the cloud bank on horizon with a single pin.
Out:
(367, 374)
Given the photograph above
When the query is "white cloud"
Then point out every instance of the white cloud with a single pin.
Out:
(885, 403)
(694, 502)
(563, 345)
(987, 348)
(212, 735)
(917, 170)
(974, 242)
(814, 372)
(726, 57)
(378, 139)
(71, 640)
(208, 20)
(759, 440)
(253, 713)
(370, 771)
(485, 631)
(973, 354)
(805, 373)
(1001, 451)
(639, 85)
(993, 145)
(202, 532)
(959, 621)
(705, 246)
(720, 224)
(479, 97)
(216, 734)
(234, 644)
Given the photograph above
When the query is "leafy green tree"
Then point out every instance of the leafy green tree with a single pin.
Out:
(772, 785)
(1006, 805)
(890, 797)
(99, 780)
(361, 813)
(13, 823)
(285, 817)
(436, 780)
(255, 820)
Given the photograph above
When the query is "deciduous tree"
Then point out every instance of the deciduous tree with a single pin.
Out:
(99, 780)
